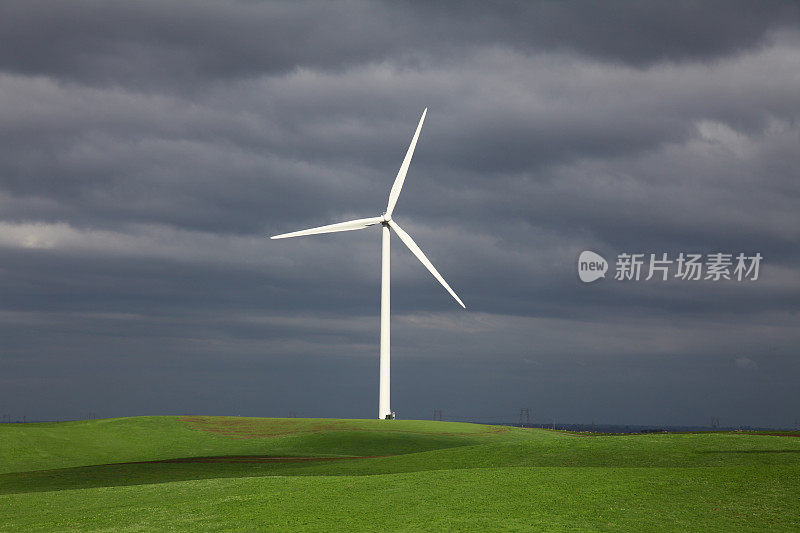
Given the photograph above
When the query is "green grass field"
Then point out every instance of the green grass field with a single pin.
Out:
(231, 473)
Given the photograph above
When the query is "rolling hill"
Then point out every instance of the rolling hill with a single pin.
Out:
(229, 473)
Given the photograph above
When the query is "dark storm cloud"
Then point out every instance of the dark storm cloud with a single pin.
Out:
(214, 159)
(152, 43)
(147, 149)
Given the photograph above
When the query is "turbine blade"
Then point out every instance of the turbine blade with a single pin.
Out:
(401, 174)
(350, 225)
(408, 241)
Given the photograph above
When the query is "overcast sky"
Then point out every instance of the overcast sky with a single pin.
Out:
(149, 148)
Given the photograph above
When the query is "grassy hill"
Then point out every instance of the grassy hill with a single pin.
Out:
(154, 473)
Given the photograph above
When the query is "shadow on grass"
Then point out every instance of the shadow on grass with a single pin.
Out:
(165, 471)
(242, 466)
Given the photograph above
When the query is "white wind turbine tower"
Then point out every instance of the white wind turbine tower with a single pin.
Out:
(385, 220)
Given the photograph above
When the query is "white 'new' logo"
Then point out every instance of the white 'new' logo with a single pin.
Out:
(591, 266)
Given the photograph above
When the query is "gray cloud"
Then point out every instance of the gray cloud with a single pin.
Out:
(152, 43)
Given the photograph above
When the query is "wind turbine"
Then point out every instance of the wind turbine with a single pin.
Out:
(387, 225)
